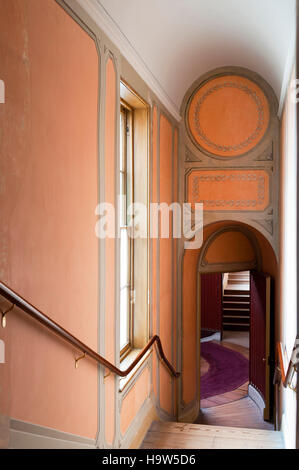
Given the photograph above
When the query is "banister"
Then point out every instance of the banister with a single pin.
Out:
(42, 318)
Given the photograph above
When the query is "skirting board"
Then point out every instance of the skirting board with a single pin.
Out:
(139, 427)
(25, 435)
(257, 398)
(32, 436)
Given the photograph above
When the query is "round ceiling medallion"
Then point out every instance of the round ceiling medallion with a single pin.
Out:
(228, 115)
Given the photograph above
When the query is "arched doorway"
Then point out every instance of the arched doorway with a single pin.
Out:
(228, 247)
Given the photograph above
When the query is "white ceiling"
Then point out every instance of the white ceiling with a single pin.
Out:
(179, 40)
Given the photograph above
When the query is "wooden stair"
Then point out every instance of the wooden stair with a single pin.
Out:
(236, 302)
(170, 435)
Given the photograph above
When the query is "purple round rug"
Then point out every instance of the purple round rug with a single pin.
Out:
(228, 370)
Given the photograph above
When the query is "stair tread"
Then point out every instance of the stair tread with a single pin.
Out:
(236, 302)
(236, 309)
(236, 295)
(175, 435)
(236, 292)
(190, 427)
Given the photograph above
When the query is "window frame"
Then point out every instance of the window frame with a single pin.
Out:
(126, 171)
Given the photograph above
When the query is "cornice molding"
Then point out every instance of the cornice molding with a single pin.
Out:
(97, 12)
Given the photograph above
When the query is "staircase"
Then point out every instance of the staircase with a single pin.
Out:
(166, 435)
(236, 302)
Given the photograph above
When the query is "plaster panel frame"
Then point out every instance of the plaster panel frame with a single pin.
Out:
(265, 156)
(192, 169)
(221, 72)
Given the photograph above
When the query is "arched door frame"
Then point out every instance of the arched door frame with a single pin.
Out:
(204, 267)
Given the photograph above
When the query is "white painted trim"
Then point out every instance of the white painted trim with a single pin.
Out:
(290, 60)
(25, 435)
(98, 13)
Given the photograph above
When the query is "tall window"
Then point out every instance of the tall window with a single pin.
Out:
(133, 260)
(126, 245)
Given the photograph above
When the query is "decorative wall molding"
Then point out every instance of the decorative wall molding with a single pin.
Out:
(242, 207)
(266, 223)
(105, 22)
(199, 184)
(191, 157)
(266, 155)
(227, 87)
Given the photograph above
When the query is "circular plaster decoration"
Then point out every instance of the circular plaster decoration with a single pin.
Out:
(228, 115)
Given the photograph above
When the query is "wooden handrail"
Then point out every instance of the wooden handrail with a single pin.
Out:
(285, 374)
(26, 307)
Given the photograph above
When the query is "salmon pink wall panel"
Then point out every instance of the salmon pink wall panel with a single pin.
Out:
(155, 275)
(166, 267)
(134, 400)
(49, 156)
(110, 129)
(229, 190)
(189, 325)
(230, 247)
(228, 115)
(175, 261)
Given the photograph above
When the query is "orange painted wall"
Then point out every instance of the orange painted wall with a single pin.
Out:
(166, 181)
(49, 251)
(110, 129)
(134, 400)
(226, 189)
(175, 256)
(154, 244)
(164, 288)
(189, 326)
(166, 267)
(230, 247)
(228, 115)
(48, 197)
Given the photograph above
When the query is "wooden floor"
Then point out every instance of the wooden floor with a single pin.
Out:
(242, 413)
(233, 395)
(163, 435)
(234, 423)
(233, 408)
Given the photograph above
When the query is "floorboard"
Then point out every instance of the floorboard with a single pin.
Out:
(163, 435)
(240, 413)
